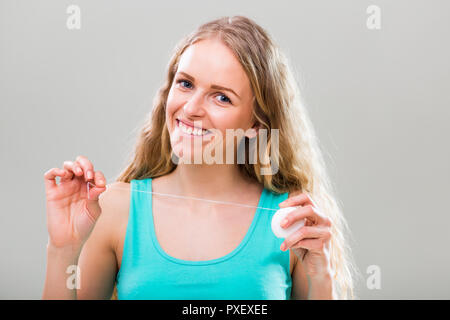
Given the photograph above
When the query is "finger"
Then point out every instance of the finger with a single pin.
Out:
(308, 212)
(100, 180)
(310, 244)
(297, 200)
(95, 192)
(68, 175)
(50, 176)
(87, 167)
(307, 233)
(95, 189)
(74, 167)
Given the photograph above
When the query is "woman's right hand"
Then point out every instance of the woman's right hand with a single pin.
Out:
(71, 214)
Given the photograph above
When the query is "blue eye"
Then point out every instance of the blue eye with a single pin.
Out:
(227, 99)
(186, 81)
(188, 85)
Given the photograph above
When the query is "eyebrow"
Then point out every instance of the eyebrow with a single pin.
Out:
(213, 86)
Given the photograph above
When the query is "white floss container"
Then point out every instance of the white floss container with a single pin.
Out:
(276, 221)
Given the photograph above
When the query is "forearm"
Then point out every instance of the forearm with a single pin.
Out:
(321, 288)
(56, 279)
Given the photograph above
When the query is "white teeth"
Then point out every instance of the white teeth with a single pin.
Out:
(199, 132)
(189, 130)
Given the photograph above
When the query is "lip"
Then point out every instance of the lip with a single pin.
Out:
(190, 135)
(190, 124)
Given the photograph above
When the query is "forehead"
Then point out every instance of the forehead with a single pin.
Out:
(212, 62)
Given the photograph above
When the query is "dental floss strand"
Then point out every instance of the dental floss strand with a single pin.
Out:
(280, 214)
(185, 197)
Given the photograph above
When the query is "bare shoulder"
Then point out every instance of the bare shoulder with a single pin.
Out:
(115, 204)
(294, 193)
(115, 195)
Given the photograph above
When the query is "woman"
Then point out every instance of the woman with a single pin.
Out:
(228, 74)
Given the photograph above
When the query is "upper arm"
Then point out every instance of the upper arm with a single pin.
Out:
(299, 281)
(97, 261)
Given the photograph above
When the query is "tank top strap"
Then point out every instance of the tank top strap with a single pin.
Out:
(272, 200)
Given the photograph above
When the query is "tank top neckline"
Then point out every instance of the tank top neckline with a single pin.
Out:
(228, 256)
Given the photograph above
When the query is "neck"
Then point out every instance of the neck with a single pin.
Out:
(207, 181)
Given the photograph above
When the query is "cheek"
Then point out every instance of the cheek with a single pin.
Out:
(228, 119)
(172, 105)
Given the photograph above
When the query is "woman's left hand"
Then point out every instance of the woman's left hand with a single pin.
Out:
(311, 243)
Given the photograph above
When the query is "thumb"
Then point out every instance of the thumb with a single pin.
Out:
(93, 191)
(92, 206)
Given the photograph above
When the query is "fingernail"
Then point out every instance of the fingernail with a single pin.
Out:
(284, 222)
(89, 174)
(283, 247)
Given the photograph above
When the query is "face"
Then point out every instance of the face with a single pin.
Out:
(210, 91)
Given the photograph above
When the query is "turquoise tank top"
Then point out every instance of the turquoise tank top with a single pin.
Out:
(255, 270)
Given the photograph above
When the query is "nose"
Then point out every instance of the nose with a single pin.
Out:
(194, 107)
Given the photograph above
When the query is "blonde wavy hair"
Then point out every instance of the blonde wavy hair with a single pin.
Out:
(277, 105)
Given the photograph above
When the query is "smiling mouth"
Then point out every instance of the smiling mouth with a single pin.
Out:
(192, 131)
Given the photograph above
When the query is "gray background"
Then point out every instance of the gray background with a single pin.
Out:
(379, 100)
